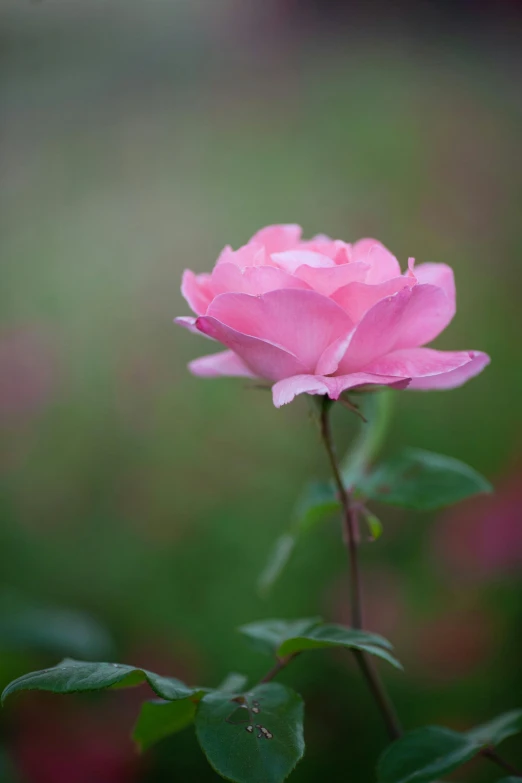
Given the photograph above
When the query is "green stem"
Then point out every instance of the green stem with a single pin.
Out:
(279, 665)
(350, 523)
(493, 756)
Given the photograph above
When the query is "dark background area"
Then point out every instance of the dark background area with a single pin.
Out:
(137, 139)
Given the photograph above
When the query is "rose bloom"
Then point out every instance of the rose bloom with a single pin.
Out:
(322, 316)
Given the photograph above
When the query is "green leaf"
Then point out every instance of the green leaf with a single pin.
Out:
(512, 779)
(422, 480)
(158, 719)
(286, 637)
(233, 683)
(268, 635)
(257, 739)
(324, 636)
(423, 755)
(76, 676)
(497, 730)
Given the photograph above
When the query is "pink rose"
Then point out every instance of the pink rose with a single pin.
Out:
(322, 316)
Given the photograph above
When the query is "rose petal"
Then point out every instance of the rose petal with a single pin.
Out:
(197, 291)
(278, 237)
(189, 323)
(303, 322)
(357, 298)
(431, 369)
(217, 364)
(252, 254)
(326, 280)
(291, 260)
(427, 314)
(440, 275)
(229, 278)
(285, 390)
(410, 318)
(265, 359)
(383, 264)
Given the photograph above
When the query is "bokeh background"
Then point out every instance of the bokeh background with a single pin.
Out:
(138, 504)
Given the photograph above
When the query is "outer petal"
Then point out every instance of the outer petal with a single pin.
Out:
(265, 359)
(407, 319)
(278, 238)
(284, 391)
(189, 323)
(229, 278)
(357, 298)
(383, 264)
(430, 369)
(440, 275)
(302, 322)
(428, 313)
(197, 291)
(217, 364)
(326, 280)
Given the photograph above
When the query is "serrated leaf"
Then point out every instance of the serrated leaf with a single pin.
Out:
(233, 683)
(268, 635)
(422, 480)
(324, 636)
(423, 755)
(497, 730)
(159, 719)
(263, 749)
(76, 676)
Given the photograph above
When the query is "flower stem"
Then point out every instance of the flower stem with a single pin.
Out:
(279, 665)
(350, 535)
(493, 756)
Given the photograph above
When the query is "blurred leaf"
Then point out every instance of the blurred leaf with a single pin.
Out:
(75, 676)
(376, 408)
(158, 719)
(317, 502)
(497, 730)
(512, 779)
(374, 524)
(423, 755)
(262, 749)
(233, 683)
(268, 635)
(324, 636)
(422, 480)
(277, 561)
(28, 627)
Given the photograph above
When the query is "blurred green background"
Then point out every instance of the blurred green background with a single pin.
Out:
(138, 138)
